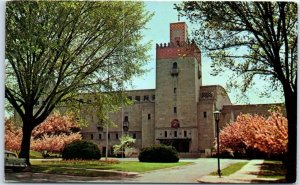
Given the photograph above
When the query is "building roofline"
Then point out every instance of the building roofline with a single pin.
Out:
(262, 104)
(139, 90)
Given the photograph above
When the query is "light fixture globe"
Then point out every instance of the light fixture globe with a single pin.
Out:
(217, 115)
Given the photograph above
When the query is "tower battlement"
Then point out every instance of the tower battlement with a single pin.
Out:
(182, 49)
(172, 44)
(179, 45)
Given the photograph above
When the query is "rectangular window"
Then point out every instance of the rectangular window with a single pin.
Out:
(149, 116)
(92, 136)
(126, 119)
(146, 98)
(184, 133)
(153, 97)
(175, 89)
(175, 109)
(129, 97)
(117, 136)
(108, 135)
(138, 98)
(175, 133)
(166, 134)
(100, 136)
(134, 135)
(204, 114)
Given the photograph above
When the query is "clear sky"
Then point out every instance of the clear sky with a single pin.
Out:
(158, 32)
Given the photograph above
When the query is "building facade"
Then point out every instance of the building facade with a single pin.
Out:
(179, 112)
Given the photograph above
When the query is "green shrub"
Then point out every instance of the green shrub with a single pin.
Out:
(80, 149)
(158, 153)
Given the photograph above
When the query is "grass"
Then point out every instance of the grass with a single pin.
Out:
(230, 169)
(89, 168)
(35, 155)
(272, 169)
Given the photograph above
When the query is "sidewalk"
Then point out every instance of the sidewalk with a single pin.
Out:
(244, 175)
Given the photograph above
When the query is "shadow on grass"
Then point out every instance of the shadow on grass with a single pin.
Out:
(273, 170)
(268, 181)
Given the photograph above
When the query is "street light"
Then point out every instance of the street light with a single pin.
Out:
(217, 119)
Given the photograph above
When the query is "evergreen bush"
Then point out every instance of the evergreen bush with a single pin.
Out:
(83, 150)
(158, 153)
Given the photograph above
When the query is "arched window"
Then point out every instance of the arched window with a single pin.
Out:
(175, 65)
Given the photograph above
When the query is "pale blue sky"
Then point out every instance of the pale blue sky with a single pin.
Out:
(158, 32)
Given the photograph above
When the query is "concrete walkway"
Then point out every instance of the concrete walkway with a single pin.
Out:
(247, 174)
(182, 174)
(197, 172)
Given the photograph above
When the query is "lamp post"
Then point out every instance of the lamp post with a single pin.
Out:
(217, 119)
(106, 151)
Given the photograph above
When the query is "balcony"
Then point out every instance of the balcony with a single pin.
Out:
(125, 123)
(174, 71)
(125, 126)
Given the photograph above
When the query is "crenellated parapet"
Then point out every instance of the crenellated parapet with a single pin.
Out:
(175, 50)
(177, 44)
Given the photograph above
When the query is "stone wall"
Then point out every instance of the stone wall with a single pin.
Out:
(230, 112)
(137, 115)
(211, 98)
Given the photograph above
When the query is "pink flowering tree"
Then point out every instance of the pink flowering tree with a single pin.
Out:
(256, 133)
(53, 143)
(13, 136)
(50, 136)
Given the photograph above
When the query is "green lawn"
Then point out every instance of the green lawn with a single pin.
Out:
(272, 169)
(89, 168)
(231, 169)
(35, 155)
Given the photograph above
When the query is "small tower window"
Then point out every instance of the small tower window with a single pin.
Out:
(175, 110)
(175, 89)
(92, 136)
(184, 133)
(204, 114)
(138, 98)
(175, 133)
(129, 97)
(134, 135)
(108, 135)
(153, 97)
(175, 65)
(149, 116)
(100, 136)
(126, 119)
(166, 134)
(117, 136)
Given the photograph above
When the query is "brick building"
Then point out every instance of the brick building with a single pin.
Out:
(179, 111)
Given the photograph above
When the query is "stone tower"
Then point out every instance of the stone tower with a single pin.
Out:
(178, 80)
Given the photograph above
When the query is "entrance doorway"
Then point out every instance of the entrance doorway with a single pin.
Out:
(181, 145)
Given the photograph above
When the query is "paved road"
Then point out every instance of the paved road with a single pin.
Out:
(182, 174)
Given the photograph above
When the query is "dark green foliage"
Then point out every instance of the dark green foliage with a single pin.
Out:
(268, 32)
(56, 49)
(158, 153)
(80, 149)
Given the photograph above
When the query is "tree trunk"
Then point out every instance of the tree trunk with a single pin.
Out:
(291, 111)
(25, 145)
